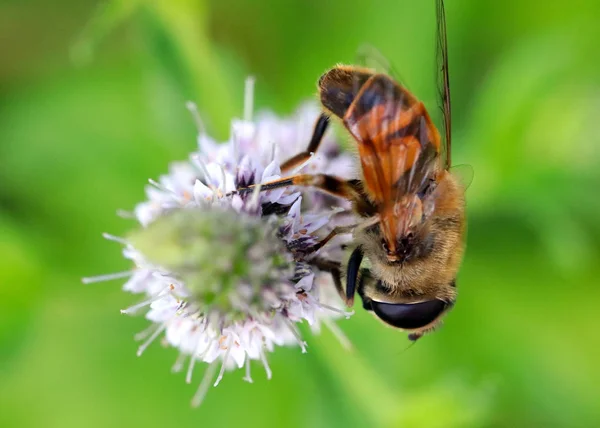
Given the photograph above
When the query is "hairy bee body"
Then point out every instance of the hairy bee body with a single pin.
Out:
(410, 206)
(433, 257)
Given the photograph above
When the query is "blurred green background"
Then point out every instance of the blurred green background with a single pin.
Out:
(92, 104)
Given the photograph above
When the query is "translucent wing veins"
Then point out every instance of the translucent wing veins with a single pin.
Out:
(443, 80)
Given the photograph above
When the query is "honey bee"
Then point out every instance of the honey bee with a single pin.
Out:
(411, 206)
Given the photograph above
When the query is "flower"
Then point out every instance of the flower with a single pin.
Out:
(223, 274)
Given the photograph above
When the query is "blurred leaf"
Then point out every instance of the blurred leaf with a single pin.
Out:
(183, 22)
(108, 15)
(21, 278)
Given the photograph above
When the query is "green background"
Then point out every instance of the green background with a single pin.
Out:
(92, 104)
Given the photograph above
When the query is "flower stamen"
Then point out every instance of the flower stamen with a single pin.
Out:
(296, 334)
(190, 370)
(225, 358)
(134, 308)
(346, 314)
(107, 277)
(126, 214)
(162, 187)
(204, 385)
(249, 98)
(200, 166)
(114, 238)
(193, 109)
(265, 363)
(154, 335)
(338, 333)
(248, 377)
(253, 203)
(196, 355)
(141, 335)
(178, 365)
(223, 179)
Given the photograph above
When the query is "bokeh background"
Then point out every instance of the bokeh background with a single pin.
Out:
(92, 104)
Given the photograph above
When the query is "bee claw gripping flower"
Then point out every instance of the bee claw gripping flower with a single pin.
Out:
(222, 275)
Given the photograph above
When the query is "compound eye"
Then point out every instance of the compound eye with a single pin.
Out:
(409, 316)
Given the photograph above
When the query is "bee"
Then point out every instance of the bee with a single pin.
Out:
(410, 205)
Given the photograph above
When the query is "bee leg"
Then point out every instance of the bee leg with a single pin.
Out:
(338, 230)
(317, 136)
(352, 274)
(365, 275)
(327, 183)
(334, 268)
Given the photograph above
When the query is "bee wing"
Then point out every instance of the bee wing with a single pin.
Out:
(443, 83)
(370, 57)
(464, 174)
(397, 141)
